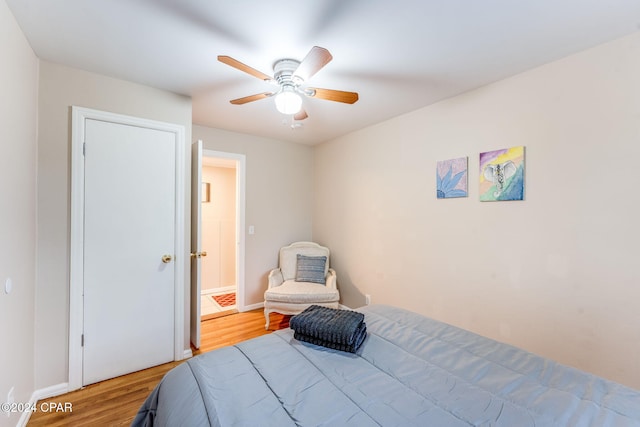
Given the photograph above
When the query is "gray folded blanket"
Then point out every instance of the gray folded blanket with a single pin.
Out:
(342, 330)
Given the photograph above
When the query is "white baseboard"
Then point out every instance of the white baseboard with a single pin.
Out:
(51, 391)
(40, 394)
(24, 418)
(253, 306)
(188, 354)
(219, 290)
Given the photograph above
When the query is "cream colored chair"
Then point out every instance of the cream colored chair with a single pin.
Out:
(304, 278)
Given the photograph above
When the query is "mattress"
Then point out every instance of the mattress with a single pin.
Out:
(410, 371)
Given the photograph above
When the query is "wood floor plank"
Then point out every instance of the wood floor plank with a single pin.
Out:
(115, 402)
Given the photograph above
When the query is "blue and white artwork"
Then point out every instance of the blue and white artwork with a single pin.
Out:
(451, 178)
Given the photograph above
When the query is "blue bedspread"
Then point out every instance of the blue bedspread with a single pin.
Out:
(410, 371)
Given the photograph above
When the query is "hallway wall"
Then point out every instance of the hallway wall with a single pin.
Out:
(219, 228)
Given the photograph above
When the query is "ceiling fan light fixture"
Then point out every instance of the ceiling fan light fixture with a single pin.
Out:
(290, 75)
(288, 101)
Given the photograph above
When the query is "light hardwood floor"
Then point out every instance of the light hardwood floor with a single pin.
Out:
(115, 402)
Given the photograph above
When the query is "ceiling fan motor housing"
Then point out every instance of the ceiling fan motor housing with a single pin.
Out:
(283, 72)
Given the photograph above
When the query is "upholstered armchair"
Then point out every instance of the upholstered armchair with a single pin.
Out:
(302, 279)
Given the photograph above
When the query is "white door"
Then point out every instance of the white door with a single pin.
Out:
(129, 249)
(196, 240)
(197, 252)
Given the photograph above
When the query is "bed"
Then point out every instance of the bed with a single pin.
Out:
(409, 371)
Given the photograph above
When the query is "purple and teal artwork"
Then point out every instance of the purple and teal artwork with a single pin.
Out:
(451, 178)
(502, 175)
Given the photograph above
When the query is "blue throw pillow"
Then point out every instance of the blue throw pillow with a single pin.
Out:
(310, 269)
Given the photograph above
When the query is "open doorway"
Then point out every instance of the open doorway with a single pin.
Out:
(219, 226)
(220, 205)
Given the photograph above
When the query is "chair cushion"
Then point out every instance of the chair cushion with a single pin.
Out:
(311, 269)
(288, 257)
(301, 292)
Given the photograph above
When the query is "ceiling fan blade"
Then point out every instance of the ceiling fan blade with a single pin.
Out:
(300, 115)
(333, 95)
(251, 98)
(243, 67)
(317, 58)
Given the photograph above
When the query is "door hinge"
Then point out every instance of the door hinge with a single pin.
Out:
(82, 340)
(84, 148)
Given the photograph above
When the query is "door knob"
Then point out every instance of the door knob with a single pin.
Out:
(198, 254)
(167, 259)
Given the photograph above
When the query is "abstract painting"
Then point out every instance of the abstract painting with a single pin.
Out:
(451, 178)
(502, 175)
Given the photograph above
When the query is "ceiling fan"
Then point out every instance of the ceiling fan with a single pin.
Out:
(290, 75)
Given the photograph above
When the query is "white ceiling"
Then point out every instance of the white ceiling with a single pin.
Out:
(398, 55)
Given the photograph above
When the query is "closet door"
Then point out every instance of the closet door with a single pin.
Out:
(129, 249)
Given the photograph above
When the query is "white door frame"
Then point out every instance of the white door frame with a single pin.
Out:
(76, 285)
(196, 242)
(240, 217)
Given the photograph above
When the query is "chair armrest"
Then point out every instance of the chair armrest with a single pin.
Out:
(331, 279)
(275, 278)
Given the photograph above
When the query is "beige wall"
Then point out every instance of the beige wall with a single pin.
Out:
(278, 198)
(60, 88)
(219, 228)
(18, 113)
(557, 273)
